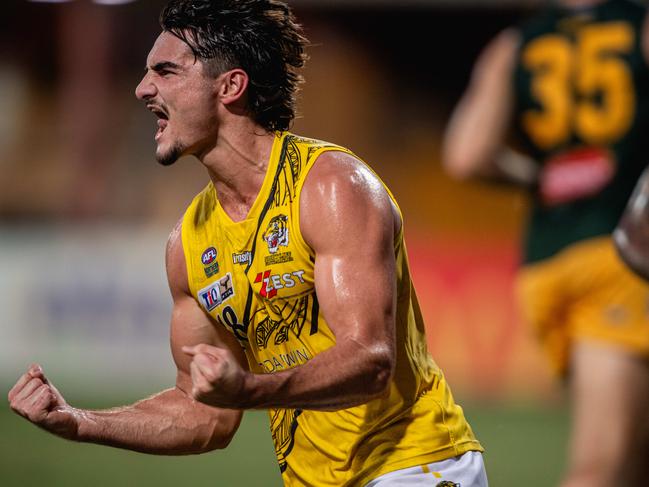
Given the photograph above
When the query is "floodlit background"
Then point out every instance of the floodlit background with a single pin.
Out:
(85, 211)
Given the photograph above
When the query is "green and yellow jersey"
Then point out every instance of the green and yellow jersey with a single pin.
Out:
(256, 279)
(582, 112)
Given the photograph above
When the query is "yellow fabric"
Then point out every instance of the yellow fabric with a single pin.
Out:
(585, 293)
(260, 287)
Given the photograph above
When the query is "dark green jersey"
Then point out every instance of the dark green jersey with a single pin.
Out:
(582, 112)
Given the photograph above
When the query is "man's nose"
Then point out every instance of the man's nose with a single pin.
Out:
(145, 89)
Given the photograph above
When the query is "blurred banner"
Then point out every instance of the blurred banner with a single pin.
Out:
(90, 303)
(474, 330)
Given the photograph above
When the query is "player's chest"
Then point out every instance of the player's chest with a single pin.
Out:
(257, 266)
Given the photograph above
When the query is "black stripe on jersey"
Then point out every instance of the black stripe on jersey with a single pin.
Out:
(294, 426)
(246, 312)
(269, 201)
(315, 311)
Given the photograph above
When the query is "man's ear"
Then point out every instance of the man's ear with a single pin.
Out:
(233, 86)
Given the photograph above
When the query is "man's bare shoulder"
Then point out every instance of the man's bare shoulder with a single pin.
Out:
(343, 191)
(175, 261)
(342, 171)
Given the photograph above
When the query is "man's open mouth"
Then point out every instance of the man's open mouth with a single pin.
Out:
(163, 120)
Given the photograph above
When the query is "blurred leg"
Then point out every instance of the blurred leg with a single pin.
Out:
(610, 418)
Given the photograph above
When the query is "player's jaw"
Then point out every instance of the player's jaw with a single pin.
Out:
(167, 156)
(168, 150)
(185, 130)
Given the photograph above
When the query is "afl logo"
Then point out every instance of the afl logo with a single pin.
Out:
(208, 259)
(209, 256)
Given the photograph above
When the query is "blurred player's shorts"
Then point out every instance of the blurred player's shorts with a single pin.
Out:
(585, 292)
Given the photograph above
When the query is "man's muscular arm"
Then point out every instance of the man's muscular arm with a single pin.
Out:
(350, 222)
(171, 422)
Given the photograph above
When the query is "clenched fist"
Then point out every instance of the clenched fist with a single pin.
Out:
(34, 398)
(217, 378)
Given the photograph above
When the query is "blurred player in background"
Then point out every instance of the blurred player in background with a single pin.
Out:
(631, 236)
(571, 87)
(289, 277)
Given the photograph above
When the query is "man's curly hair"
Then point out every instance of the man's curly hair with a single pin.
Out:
(261, 37)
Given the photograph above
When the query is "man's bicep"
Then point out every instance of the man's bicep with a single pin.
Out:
(354, 254)
(357, 301)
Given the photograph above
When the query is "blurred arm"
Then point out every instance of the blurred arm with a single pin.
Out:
(473, 142)
(170, 422)
(631, 236)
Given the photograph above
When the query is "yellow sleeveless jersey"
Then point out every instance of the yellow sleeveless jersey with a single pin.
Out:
(255, 278)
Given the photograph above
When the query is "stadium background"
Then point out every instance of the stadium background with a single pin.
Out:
(85, 211)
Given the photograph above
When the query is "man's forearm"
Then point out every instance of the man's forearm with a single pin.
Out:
(168, 423)
(341, 377)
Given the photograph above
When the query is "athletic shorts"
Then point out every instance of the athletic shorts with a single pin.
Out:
(585, 292)
(466, 470)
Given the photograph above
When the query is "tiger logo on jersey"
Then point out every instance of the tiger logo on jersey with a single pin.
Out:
(276, 234)
(447, 483)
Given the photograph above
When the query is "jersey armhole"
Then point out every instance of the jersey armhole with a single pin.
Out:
(298, 196)
(185, 236)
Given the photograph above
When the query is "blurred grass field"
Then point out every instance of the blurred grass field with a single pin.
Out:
(525, 447)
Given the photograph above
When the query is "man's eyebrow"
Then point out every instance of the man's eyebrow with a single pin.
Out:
(157, 67)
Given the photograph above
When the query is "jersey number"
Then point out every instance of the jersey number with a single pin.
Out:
(228, 319)
(583, 87)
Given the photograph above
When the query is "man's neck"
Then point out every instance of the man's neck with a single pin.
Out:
(237, 166)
